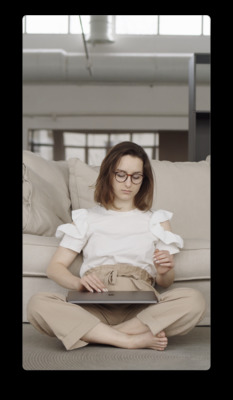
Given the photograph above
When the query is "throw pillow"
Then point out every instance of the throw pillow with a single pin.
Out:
(42, 208)
(81, 183)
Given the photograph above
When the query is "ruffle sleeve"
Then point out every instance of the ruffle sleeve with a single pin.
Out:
(166, 240)
(74, 236)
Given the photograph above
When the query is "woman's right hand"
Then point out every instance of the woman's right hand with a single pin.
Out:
(92, 283)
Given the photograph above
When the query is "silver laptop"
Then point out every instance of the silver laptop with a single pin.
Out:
(112, 297)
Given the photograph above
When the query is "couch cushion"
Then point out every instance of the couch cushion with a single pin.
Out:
(46, 202)
(82, 183)
(37, 252)
(193, 261)
(184, 189)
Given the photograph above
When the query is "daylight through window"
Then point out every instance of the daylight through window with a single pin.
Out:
(123, 24)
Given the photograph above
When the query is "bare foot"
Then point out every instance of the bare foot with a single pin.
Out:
(133, 327)
(105, 334)
(149, 341)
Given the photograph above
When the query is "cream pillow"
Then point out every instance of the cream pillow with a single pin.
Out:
(54, 172)
(43, 209)
(184, 189)
(81, 183)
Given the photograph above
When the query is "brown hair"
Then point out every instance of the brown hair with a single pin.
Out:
(103, 188)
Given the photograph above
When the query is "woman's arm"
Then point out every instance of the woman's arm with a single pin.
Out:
(58, 268)
(164, 263)
(58, 271)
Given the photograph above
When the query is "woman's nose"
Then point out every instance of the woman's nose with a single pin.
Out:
(128, 181)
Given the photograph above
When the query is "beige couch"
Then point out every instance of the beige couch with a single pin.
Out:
(51, 189)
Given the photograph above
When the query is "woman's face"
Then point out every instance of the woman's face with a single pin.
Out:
(126, 191)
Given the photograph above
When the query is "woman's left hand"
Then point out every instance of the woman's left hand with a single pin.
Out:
(163, 261)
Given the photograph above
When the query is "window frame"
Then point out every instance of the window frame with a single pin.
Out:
(203, 27)
(59, 147)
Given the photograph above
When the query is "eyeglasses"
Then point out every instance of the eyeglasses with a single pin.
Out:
(122, 176)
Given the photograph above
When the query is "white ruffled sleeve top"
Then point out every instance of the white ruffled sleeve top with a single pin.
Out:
(109, 237)
(74, 236)
(165, 240)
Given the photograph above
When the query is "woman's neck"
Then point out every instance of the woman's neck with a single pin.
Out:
(122, 206)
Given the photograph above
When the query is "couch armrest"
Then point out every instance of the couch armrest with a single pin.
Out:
(193, 261)
(37, 252)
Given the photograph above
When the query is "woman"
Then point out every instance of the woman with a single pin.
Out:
(117, 238)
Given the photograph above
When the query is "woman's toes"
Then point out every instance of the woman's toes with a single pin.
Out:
(161, 334)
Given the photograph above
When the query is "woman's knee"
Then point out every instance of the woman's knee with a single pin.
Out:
(195, 302)
(191, 300)
(40, 302)
(34, 305)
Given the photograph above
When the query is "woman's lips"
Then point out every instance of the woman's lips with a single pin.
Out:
(126, 191)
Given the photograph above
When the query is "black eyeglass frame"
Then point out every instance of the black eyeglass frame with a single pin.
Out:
(126, 177)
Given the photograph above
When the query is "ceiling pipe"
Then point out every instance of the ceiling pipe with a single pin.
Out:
(43, 65)
(101, 30)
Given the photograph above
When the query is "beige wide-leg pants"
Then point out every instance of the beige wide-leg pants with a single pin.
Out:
(177, 312)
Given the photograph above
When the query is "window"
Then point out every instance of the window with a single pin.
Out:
(55, 24)
(163, 24)
(42, 143)
(137, 24)
(47, 23)
(75, 26)
(74, 145)
(89, 147)
(124, 24)
(180, 24)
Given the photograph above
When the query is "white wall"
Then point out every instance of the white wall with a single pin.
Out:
(108, 107)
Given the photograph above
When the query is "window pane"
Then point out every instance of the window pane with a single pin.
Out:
(149, 153)
(96, 156)
(47, 23)
(74, 153)
(117, 138)
(43, 136)
(144, 139)
(180, 24)
(206, 25)
(137, 24)
(97, 140)
(74, 139)
(75, 26)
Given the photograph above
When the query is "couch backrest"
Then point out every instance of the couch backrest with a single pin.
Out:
(180, 187)
(52, 189)
(184, 189)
